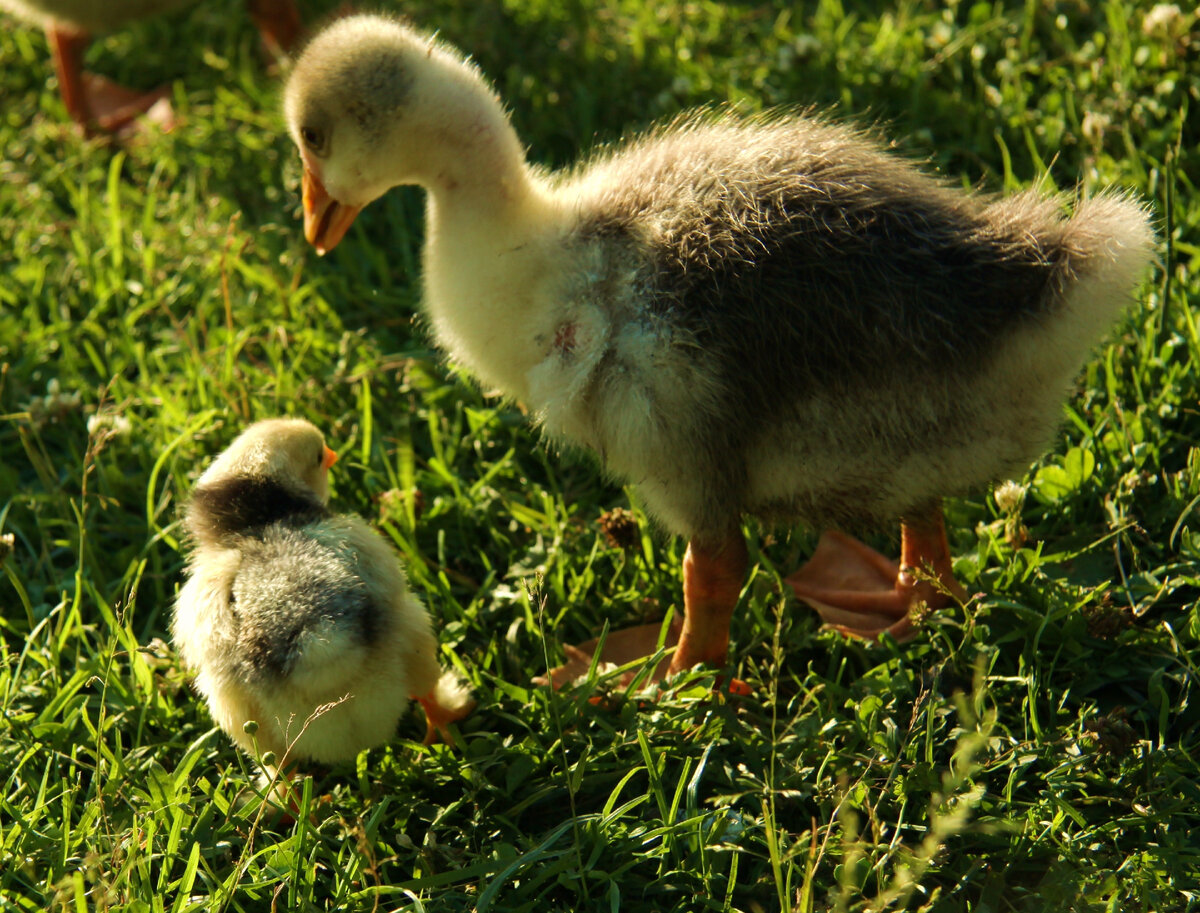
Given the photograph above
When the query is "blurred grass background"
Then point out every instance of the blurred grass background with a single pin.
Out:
(1035, 751)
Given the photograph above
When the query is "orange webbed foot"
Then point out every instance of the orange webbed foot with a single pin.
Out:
(861, 593)
(620, 648)
(853, 588)
(95, 102)
(712, 582)
(114, 109)
(449, 702)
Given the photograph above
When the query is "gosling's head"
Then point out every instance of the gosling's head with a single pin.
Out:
(287, 451)
(372, 103)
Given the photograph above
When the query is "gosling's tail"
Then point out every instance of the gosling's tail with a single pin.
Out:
(1110, 241)
(1104, 251)
(1101, 251)
(1100, 255)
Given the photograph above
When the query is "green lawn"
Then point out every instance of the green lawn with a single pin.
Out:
(1037, 750)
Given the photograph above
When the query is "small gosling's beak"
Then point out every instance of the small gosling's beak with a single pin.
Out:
(330, 458)
(326, 220)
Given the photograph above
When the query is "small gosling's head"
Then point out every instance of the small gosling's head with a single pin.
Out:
(367, 106)
(285, 450)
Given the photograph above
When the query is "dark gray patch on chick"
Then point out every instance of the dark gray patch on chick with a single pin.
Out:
(239, 504)
(292, 591)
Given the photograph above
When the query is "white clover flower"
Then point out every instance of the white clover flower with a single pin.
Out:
(110, 424)
(806, 44)
(1095, 124)
(1163, 19)
(1010, 496)
(53, 406)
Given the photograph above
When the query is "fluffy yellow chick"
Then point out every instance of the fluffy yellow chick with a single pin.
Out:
(290, 608)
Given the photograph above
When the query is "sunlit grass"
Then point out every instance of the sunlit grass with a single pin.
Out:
(1036, 750)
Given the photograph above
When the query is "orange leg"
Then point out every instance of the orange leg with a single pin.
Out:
(279, 23)
(94, 101)
(438, 717)
(712, 581)
(863, 594)
(67, 46)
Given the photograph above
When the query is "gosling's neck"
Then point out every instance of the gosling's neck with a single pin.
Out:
(492, 226)
(481, 189)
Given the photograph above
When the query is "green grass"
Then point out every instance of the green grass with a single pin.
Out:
(1035, 751)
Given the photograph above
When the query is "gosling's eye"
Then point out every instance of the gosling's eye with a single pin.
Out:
(314, 139)
(321, 457)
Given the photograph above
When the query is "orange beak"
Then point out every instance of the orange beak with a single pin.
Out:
(330, 458)
(326, 220)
